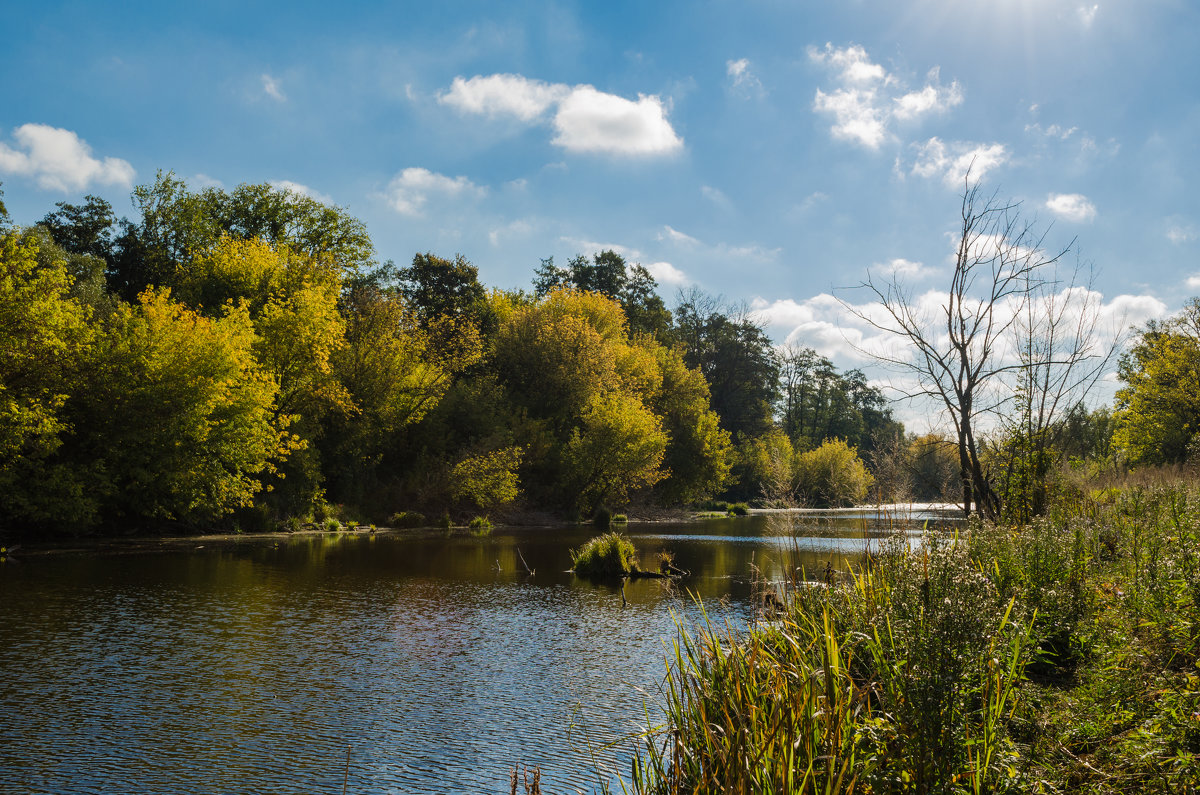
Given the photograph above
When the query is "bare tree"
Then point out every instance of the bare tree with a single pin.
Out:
(1005, 322)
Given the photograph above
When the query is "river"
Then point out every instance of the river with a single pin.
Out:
(405, 663)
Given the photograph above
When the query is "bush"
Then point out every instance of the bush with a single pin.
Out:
(480, 525)
(609, 555)
(620, 518)
(405, 519)
(332, 525)
(446, 523)
(832, 476)
(739, 509)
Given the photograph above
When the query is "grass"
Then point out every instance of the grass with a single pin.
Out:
(480, 526)
(606, 556)
(1061, 656)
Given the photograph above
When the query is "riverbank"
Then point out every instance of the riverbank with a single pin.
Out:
(1057, 657)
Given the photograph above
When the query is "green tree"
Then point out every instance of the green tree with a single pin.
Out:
(83, 229)
(178, 414)
(736, 358)
(44, 336)
(1158, 409)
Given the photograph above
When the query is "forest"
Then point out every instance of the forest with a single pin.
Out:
(235, 359)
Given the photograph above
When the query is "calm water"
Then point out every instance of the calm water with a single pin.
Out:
(432, 664)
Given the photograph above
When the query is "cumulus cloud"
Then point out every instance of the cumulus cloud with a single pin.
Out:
(584, 119)
(951, 162)
(1193, 282)
(666, 273)
(1087, 14)
(60, 160)
(272, 88)
(1071, 207)
(867, 99)
(592, 121)
(411, 189)
(300, 190)
(741, 79)
(503, 94)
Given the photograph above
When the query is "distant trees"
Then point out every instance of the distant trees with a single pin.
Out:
(609, 274)
(1158, 409)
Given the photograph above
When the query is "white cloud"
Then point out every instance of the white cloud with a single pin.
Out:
(666, 273)
(716, 197)
(675, 236)
(585, 119)
(592, 121)
(1071, 207)
(272, 89)
(869, 99)
(300, 190)
(1181, 232)
(1193, 282)
(952, 161)
(59, 160)
(503, 94)
(410, 190)
(1087, 14)
(515, 229)
(205, 181)
(742, 79)
(903, 268)
(1053, 131)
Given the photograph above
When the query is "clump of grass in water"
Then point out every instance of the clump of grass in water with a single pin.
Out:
(480, 526)
(609, 555)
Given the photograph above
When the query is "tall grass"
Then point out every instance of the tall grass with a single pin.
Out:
(1058, 656)
(892, 683)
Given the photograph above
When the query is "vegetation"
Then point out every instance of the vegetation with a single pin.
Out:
(607, 556)
(1054, 657)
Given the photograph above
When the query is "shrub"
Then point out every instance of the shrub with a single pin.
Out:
(620, 518)
(480, 525)
(833, 475)
(408, 519)
(609, 555)
(446, 523)
(739, 509)
(332, 525)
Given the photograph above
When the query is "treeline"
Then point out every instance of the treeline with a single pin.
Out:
(241, 357)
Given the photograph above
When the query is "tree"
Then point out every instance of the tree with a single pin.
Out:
(736, 358)
(832, 476)
(1158, 409)
(44, 336)
(83, 229)
(609, 274)
(958, 347)
(435, 288)
(178, 418)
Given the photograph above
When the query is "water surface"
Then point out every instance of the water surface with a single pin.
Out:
(389, 663)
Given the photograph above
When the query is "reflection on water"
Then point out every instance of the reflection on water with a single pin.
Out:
(432, 663)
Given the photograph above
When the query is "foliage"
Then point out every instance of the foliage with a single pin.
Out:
(608, 555)
(488, 479)
(1158, 409)
(179, 413)
(608, 274)
(832, 476)
(902, 680)
(818, 403)
(480, 525)
(735, 356)
(408, 519)
(43, 337)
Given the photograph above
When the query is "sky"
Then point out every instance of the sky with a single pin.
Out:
(774, 153)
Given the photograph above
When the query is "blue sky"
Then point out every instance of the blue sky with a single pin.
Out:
(771, 152)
